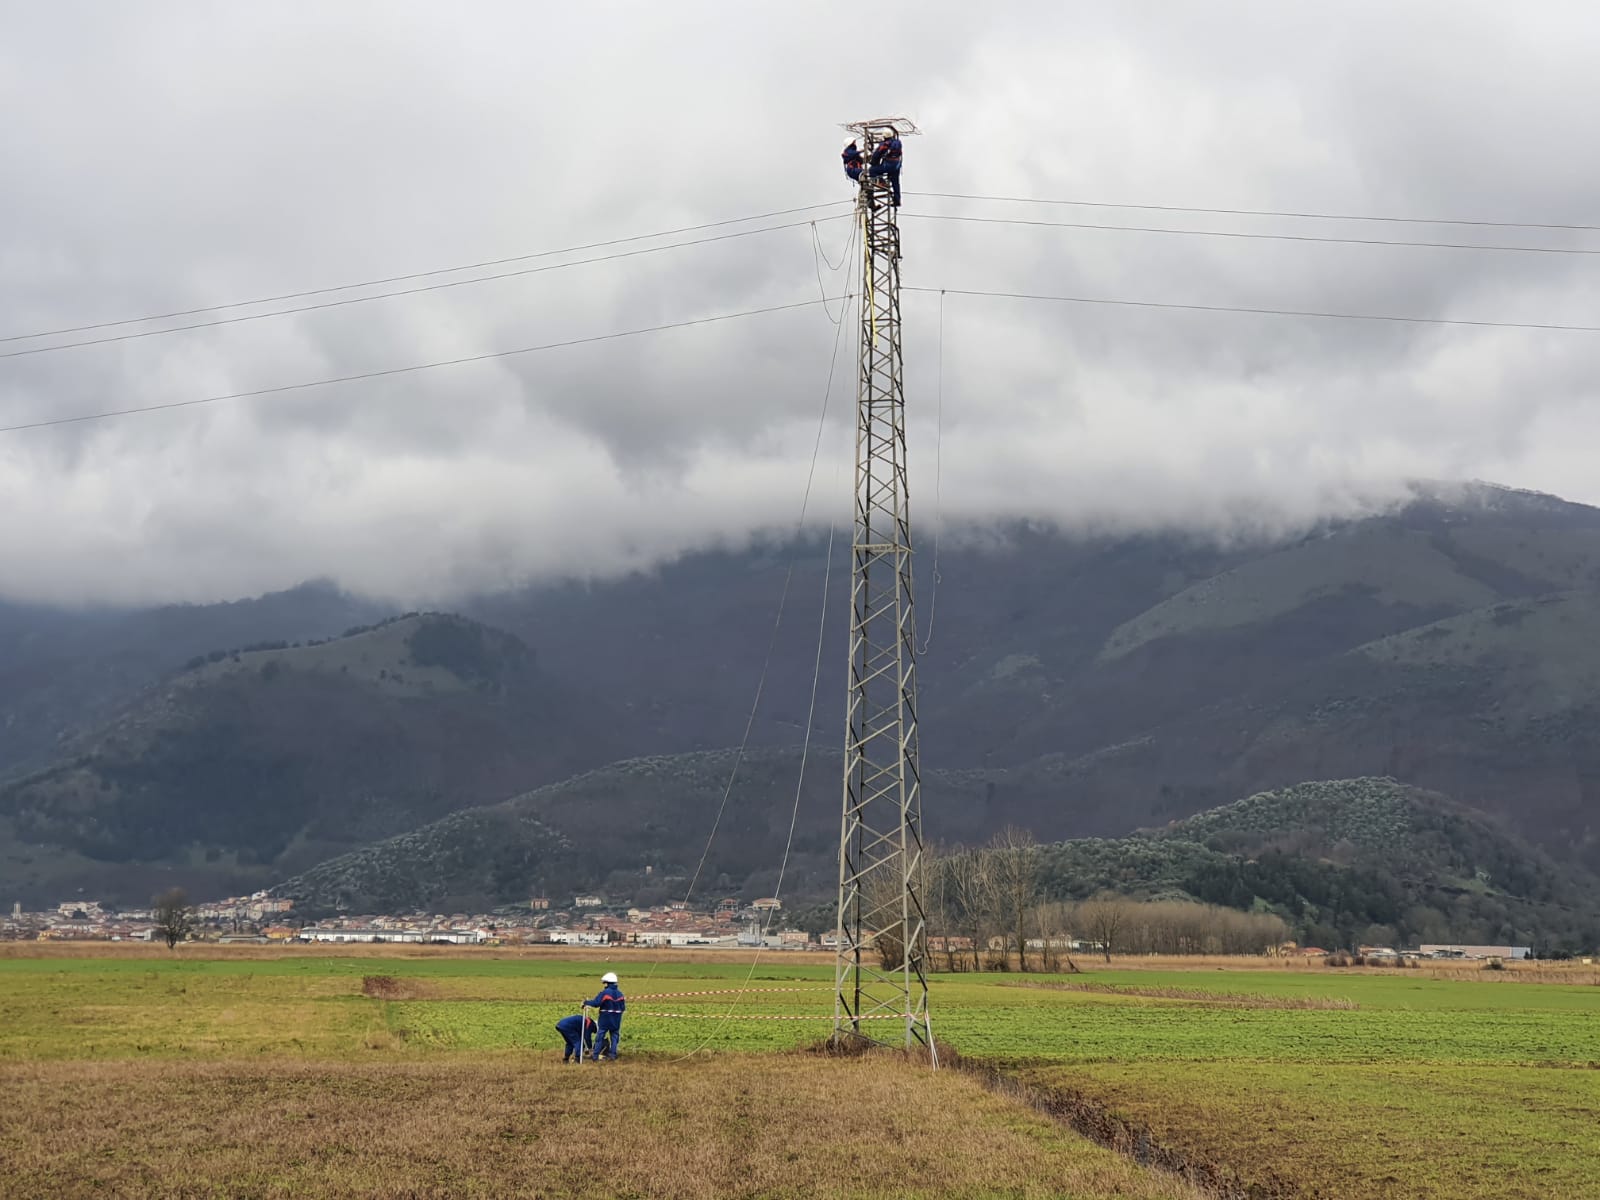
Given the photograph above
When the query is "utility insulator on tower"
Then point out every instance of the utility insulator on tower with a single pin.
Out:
(881, 967)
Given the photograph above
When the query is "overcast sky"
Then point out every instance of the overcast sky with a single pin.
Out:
(169, 156)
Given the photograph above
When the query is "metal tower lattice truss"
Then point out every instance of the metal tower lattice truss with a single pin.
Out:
(880, 971)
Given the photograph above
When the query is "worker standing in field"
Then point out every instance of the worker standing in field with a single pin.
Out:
(853, 162)
(610, 1005)
(577, 1031)
(886, 164)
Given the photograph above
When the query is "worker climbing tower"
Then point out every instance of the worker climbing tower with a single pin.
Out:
(880, 971)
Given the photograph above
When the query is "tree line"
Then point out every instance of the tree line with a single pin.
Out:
(988, 908)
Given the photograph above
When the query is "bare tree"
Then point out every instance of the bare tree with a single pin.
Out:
(1016, 872)
(936, 901)
(1102, 918)
(970, 891)
(1054, 921)
(880, 910)
(174, 917)
(1185, 927)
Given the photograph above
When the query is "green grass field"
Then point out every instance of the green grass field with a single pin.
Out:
(1337, 1084)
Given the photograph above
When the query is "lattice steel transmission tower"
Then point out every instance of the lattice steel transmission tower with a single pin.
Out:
(880, 971)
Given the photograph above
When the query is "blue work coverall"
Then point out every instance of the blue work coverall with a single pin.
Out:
(569, 1029)
(610, 1004)
(853, 161)
(886, 162)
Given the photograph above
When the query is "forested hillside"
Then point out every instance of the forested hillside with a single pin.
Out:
(1347, 861)
(247, 766)
(63, 671)
(1341, 862)
(1449, 644)
(1076, 685)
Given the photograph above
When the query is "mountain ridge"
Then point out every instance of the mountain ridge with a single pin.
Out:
(1349, 861)
(261, 760)
(1343, 861)
(1077, 685)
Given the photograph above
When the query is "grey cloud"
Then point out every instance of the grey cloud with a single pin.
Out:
(186, 155)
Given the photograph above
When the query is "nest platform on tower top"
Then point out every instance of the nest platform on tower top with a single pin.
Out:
(870, 133)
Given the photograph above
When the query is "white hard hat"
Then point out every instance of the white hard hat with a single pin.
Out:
(609, 977)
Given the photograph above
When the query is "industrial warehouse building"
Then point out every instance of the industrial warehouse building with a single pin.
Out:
(1457, 951)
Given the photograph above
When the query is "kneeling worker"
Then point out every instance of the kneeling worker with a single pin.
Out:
(610, 1005)
(577, 1031)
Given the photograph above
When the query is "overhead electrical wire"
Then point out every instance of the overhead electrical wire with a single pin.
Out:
(1104, 301)
(380, 282)
(1254, 236)
(1101, 204)
(799, 789)
(819, 256)
(788, 579)
(406, 370)
(1260, 311)
(938, 480)
(1267, 212)
(772, 640)
(1021, 222)
(412, 291)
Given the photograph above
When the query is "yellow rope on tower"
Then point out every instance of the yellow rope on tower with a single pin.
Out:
(866, 253)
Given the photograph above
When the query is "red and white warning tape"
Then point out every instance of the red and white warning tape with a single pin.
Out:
(766, 991)
(738, 1016)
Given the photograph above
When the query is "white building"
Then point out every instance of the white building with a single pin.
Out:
(679, 938)
(579, 937)
(1456, 950)
(370, 933)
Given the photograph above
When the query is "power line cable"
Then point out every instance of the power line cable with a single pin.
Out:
(788, 578)
(389, 371)
(428, 287)
(816, 677)
(843, 258)
(495, 262)
(1268, 212)
(384, 280)
(1264, 237)
(777, 622)
(1003, 295)
(1217, 233)
(1271, 312)
(938, 486)
(799, 789)
(473, 266)
(818, 257)
(626, 333)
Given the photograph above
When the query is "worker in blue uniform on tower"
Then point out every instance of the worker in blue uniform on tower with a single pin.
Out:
(886, 164)
(853, 162)
(577, 1031)
(610, 1004)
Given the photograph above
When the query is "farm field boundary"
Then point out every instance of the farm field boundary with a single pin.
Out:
(1421, 1130)
(1097, 1121)
(1191, 995)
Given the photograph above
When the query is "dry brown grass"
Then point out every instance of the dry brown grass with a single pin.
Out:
(772, 1126)
(387, 987)
(1186, 962)
(1515, 972)
(1192, 995)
